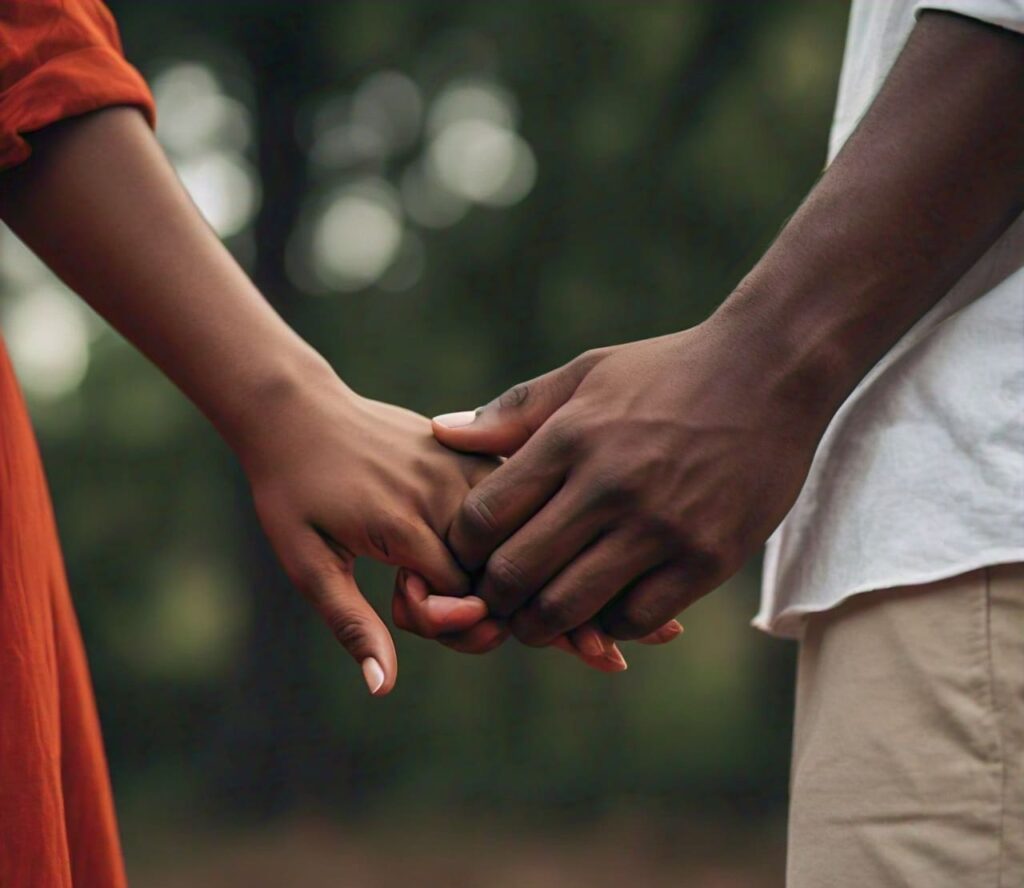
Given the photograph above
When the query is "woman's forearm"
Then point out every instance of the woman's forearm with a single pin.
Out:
(101, 205)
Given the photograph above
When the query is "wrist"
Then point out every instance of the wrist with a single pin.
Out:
(272, 398)
(806, 364)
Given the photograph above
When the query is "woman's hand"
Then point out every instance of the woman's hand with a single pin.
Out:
(336, 476)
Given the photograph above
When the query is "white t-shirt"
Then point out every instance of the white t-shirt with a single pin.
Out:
(920, 474)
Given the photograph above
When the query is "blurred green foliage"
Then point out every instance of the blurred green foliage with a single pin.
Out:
(671, 140)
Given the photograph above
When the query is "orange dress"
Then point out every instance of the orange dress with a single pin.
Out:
(58, 58)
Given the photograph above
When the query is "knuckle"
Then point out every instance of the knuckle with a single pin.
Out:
(562, 437)
(631, 620)
(547, 618)
(585, 362)
(657, 527)
(707, 554)
(609, 488)
(587, 358)
(350, 630)
(514, 397)
(391, 535)
(477, 516)
(506, 578)
(528, 635)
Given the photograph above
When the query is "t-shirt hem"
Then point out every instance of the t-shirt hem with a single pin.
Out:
(789, 622)
(980, 10)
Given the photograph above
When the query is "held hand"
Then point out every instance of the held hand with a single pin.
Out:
(640, 477)
(431, 616)
(336, 476)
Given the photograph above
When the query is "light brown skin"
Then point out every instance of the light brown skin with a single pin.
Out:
(643, 475)
(334, 476)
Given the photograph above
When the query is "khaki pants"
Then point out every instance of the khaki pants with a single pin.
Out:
(908, 754)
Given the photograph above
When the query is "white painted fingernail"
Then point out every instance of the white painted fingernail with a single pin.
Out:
(456, 420)
(615, 658)
(588, 641)
(373, 674)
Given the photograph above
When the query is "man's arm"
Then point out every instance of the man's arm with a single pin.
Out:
(643, 475)
(931, 177)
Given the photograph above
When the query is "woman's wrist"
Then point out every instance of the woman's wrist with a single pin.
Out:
(271, 397)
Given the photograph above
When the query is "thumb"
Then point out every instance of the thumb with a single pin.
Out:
(328, 583)
(321, 570)
(356, 625)
(507, 423)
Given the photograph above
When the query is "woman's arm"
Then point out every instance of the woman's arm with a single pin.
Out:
(334, 476)
(101, 205)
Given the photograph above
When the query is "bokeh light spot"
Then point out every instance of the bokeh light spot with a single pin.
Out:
(357, 236)
(389, 104)
(224, 189)
(483, 162)
(206, 134)
(472, 100)
(48, 336)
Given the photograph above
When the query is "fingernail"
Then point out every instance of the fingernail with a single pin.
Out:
(373, 674)
(615, 656)
(608, 647)
(456, 420)
(589, 643)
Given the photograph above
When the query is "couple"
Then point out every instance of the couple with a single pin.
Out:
(858, 398)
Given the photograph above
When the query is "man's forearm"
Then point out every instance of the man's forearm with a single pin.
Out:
(101, 205)
(929, 180)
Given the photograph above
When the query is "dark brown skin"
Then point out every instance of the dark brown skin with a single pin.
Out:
(643, 475)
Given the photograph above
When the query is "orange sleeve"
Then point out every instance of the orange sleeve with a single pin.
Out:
(59, 58)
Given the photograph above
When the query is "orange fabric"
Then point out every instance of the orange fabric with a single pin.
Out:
(58, 59)
(57, 825)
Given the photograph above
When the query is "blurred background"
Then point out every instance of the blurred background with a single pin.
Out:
(445, 199)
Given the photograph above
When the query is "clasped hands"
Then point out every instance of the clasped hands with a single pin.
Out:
(637, 478)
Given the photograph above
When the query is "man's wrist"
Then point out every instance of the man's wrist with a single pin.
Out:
(806, 364)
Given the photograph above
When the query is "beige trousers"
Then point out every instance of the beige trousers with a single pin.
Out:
(908, 752)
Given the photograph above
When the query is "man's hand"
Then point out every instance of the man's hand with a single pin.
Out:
(641, 476)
